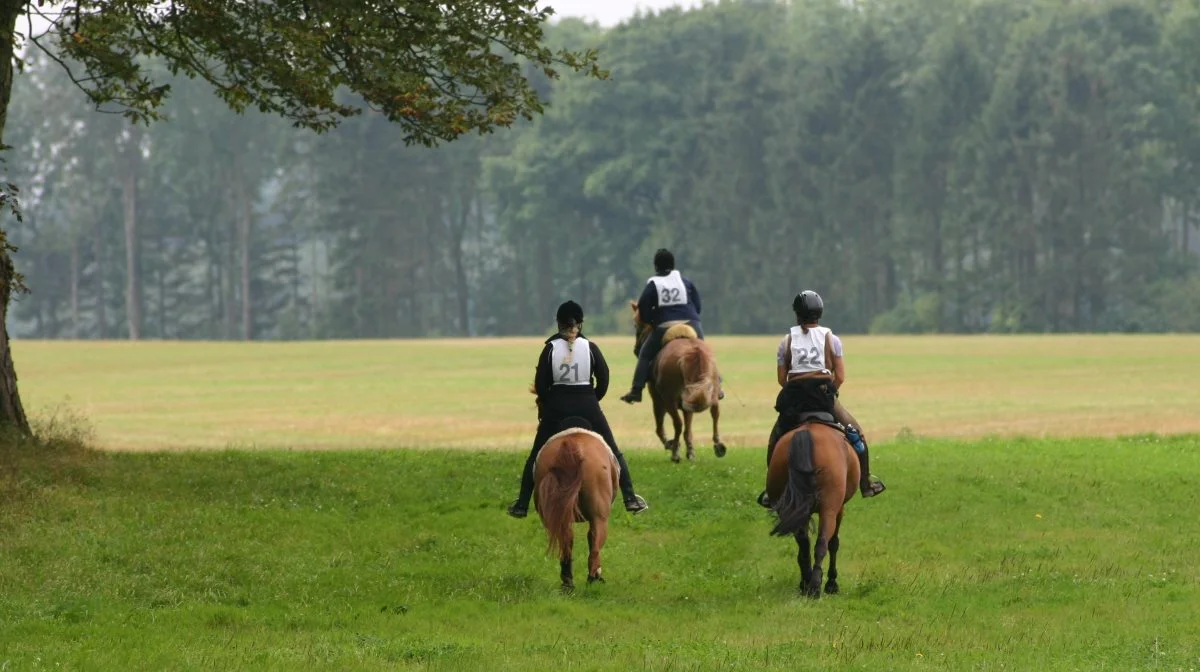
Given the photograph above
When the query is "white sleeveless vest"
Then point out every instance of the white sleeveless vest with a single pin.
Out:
(671, 290)
(571, 365)
(808, 350)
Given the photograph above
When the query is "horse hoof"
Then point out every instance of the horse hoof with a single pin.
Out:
(719, 449)
(594, 579)
(675, 458)
(568, 588)
(831, 588)
(691, 455)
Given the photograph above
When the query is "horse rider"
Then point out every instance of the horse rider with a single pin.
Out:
(571, 379)
(804, 361)
(667, 297)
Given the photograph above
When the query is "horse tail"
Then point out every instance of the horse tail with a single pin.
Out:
(700, 372)
(558, 495)
(795, 507)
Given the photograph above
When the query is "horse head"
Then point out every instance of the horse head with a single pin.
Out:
(537, 399)
(640, 329)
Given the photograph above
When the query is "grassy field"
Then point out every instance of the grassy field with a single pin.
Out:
(1055, 554)
(1061, 551)
(473, 393)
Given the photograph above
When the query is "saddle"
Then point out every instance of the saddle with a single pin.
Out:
(820, 417)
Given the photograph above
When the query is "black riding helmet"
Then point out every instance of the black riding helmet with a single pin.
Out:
(808, 306)
(664, 261)
(569, 313)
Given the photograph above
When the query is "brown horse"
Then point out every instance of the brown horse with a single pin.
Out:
(812, 467)
(684, 378)
(575, 481)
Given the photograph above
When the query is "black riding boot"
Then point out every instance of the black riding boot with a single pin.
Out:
(633, 502)
(520, 508)
(763, 500)
(641, 373)
(866, 485)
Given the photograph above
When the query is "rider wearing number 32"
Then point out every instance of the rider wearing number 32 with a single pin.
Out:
(667, 297)
(565, 388)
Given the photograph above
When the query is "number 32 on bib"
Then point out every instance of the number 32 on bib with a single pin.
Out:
(671, 291)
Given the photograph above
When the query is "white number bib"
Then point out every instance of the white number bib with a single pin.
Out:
(671, 290)
(571, 366)
(808, 350)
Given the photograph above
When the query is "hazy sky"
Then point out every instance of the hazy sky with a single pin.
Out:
(609, 12)
(606, 12)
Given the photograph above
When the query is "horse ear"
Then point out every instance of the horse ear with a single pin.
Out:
(633, 306)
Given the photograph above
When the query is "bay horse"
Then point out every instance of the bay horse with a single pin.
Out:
(813, 467)
(575, 480)
(684, 378)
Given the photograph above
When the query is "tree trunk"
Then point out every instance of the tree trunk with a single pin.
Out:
(245, 224)
(314, 308)
(101, 300)
(133, 275)
(161, 282)
(227, 281)
(211, 289)
(545, 271)
(12, 412)
(1187, 225)
(457, 234)
(75, 287)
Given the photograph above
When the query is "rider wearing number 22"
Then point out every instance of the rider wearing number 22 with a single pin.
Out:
(564, 384)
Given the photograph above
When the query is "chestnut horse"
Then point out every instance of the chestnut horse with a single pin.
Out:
(575, 479)
(684, 377)
(812, 467)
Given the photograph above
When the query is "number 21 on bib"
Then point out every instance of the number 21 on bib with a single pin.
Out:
(571, 365)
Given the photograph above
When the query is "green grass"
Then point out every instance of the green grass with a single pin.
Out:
(1037, 553)
(1059, 554)
(473, 393)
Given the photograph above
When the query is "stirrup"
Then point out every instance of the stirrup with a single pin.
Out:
(517, 511)
(873, 488)
(636, 504)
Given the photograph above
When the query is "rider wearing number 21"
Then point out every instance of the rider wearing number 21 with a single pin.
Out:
(566, 369)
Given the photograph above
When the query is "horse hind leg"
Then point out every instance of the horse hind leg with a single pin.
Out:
(804, 559)
(659, 415)
(597, 534)
(687, 435)
(718, 446)
(566, 570)
(826, 528)
(831, 584)
(673, 445)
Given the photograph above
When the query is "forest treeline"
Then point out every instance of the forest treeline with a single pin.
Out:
(926, 165)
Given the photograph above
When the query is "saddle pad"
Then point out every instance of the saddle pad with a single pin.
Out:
(576, 430)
